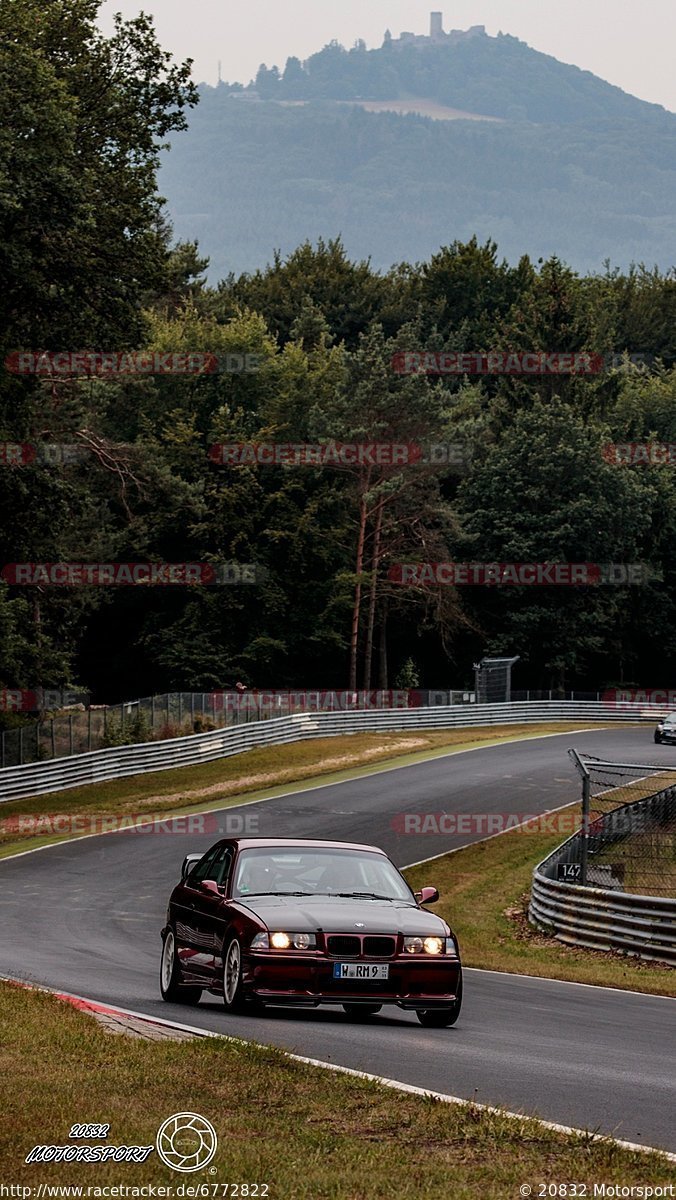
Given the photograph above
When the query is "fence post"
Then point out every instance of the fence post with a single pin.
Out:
(70, 732)
(53, 739)
(20, 745)
(152, 713)
(89, 729)
(584, 842)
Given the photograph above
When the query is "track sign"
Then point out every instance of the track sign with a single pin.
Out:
(568, 872)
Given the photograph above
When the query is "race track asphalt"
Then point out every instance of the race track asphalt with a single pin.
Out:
(85, 917)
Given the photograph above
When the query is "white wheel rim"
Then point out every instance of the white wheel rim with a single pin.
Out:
(231, 973)
(168, 952)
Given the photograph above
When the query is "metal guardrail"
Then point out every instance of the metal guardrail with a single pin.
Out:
(98, 766)
(86, 727)
(604, 918)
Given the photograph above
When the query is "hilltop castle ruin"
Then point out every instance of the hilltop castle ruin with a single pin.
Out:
(436, 35)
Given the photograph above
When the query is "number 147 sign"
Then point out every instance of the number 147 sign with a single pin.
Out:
(568, 872)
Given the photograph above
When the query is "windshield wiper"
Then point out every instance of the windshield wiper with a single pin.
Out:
(249, 894)
(361, 896)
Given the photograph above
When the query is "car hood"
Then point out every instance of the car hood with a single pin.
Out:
(297, 915)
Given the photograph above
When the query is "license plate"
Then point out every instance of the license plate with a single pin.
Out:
(361, 970)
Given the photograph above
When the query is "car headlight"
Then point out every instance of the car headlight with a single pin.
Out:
(430, 945)
(434, 945)
(284, 941)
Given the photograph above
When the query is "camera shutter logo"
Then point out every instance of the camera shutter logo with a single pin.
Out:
(186, 1142)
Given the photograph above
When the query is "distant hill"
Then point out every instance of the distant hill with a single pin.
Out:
(569, 165)
(497, 76)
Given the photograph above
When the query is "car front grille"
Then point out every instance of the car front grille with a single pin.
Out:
(376, 947)
(356, 945)
(343, 944)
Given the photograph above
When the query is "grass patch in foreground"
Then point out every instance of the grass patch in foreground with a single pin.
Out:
(261, 772)
(484, 896)
(310, 1134)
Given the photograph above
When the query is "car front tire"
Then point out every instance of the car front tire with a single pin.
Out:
(233, 989)
(441, 1018)
(173, 991)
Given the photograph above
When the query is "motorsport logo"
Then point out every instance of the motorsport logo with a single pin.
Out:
(89, 1153)
(185, 1142)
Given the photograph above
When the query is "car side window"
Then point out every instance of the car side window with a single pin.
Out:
(222, 864)
(215, 865)
(202, 869)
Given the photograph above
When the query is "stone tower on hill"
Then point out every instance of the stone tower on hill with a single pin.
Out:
(436, 35)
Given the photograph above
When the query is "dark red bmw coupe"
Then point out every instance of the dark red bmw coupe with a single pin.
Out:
(262, 921)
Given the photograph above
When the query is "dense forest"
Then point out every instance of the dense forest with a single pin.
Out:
(89, 264)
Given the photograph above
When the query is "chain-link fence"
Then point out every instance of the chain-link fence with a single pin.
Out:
(177, 714)
(628, 838)
(174, 714)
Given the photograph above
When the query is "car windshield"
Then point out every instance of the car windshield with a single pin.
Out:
(346, 873)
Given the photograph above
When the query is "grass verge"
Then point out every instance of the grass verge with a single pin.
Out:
(484, 897)
(308, 1133)
(228, 781)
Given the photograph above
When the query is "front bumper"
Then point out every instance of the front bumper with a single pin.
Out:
(280, 978)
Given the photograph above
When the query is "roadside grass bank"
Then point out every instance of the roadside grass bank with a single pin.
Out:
(309, 1134)
(267, 771)
(485, 890)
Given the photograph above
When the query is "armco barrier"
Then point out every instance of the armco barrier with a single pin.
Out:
(600, 918)
(98, 766)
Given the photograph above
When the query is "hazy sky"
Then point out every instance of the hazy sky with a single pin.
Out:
(627, 42)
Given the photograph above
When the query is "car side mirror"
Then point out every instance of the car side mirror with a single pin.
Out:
(210, 886)
(189, 862)
(427, 895)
